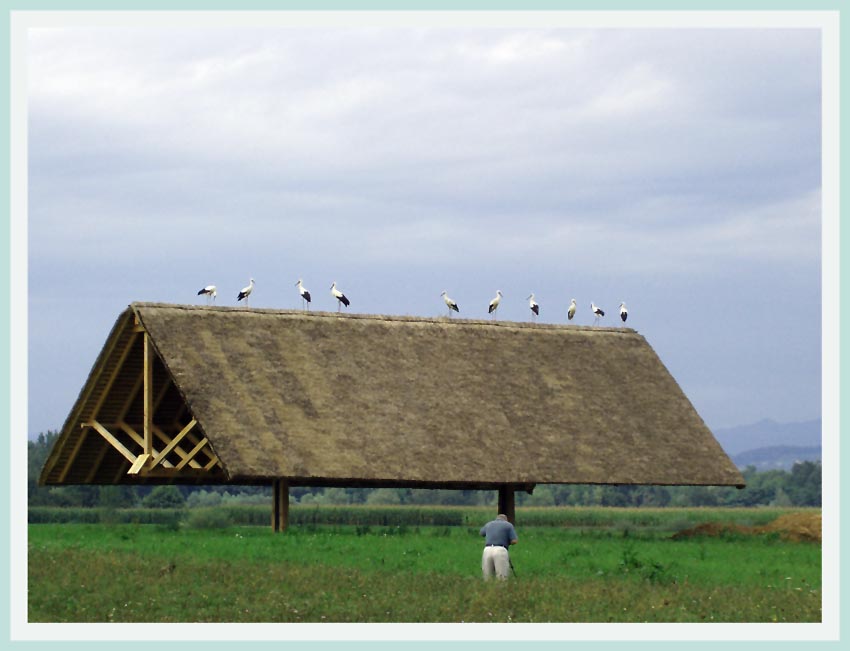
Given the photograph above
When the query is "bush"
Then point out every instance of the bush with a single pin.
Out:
(208, 519)
(202, 498)
(165, 497)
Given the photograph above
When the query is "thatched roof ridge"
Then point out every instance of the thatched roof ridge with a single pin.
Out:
(140, 307)
(401, 400)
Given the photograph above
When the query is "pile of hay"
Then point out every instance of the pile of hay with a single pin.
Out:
(796, 527)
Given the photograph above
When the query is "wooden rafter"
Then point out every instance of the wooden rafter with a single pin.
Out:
(147, 459)
(180, 411)
(122, 470)
(147, 371)
(144, 464)
(95, 411)
(190, 457)
(168, 448)
(96, 465)
(114, 442)
(137, 438)
(179, 450)
(73, 456)
(131, 397)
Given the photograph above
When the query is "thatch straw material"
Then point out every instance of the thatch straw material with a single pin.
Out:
(425, 401)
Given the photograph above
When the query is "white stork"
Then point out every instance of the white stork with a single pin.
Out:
(449, 303)
(597, 311)
(339, 296)
(305, 295)
(571, 312)
(210, 292)
(533, 306)
(246, 292)
(494, 304)
(624, 313)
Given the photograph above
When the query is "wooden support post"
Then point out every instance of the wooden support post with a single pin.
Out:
(507, 502)
(280, 506)
(148, 397)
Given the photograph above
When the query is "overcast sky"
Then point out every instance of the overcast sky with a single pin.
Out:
(675, 169)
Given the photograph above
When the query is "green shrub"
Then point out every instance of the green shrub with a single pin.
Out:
(164, 497)
(208, 519)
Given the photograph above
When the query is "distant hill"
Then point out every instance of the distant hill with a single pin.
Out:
(769, 434)
(780, 457)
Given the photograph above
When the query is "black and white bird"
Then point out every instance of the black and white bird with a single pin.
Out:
(494, 304)
(533, 306)
(624, 313)
(210, 293)
(571, 312)
(305, 295)
(597, 311)
(449, 303)
(246, 292)
(339, 296)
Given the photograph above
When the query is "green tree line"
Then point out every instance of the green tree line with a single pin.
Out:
(801, 486)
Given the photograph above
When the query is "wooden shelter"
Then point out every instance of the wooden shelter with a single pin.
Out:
(218, 395)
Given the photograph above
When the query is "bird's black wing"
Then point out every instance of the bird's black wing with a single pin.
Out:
(306, 296)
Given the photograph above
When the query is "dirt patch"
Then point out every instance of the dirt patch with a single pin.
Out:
(796, 527)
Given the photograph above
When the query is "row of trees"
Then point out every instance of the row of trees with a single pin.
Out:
(799, 487)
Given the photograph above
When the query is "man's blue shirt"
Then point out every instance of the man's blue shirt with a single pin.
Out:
(498, 532)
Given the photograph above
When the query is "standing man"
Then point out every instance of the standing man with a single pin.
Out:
(499, 534)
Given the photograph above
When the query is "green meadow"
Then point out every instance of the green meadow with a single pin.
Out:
(610, 565)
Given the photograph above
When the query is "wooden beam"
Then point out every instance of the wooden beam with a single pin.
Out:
(161, 393)
(189, 457)
(114, 442)
(138, 464)
(180, 412)
(101, 399)
(79, 444)
(507, 502)
(280, 507)
(147, 371)
(131, 396)
(126, 351)
(122, 471)
(196, 476)
(137, 438)
(168, 448)
(186, 457)
(180, 451)
(96, 465)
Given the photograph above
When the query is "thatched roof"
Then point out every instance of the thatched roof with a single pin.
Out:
(387, 400)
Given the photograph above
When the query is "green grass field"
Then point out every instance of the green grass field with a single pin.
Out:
(621, 572)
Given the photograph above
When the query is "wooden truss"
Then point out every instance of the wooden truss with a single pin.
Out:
(162, 450)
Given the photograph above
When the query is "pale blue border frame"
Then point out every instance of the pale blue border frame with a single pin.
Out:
(8, 6)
